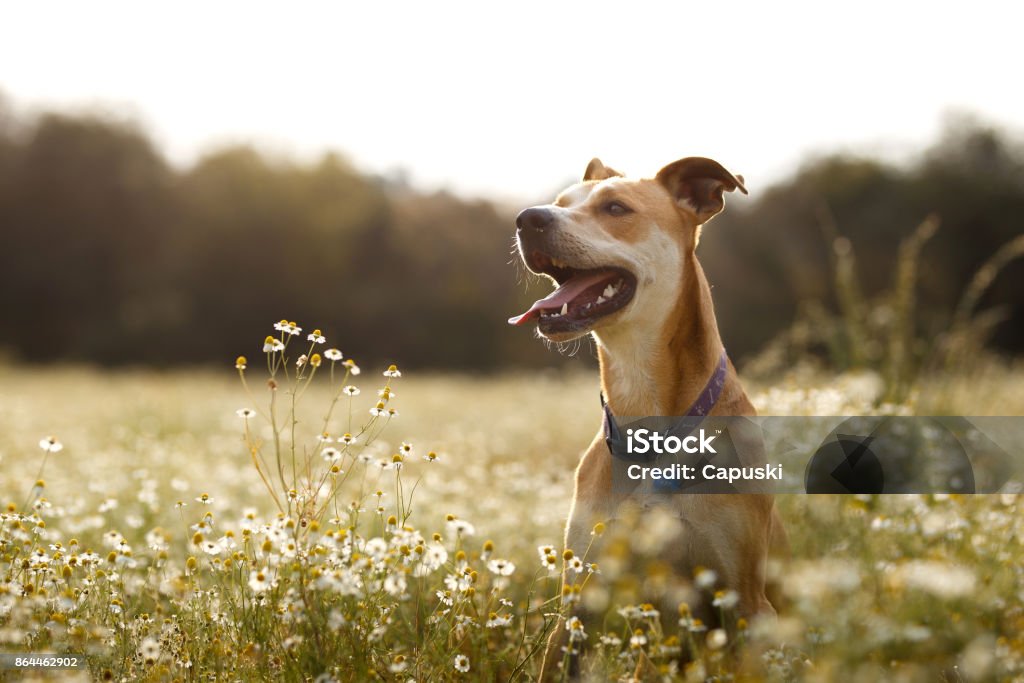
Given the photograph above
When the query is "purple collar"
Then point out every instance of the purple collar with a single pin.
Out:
(703, 405)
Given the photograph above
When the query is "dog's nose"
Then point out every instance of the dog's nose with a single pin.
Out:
(535, 218)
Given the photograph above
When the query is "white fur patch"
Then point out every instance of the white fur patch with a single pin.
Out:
(631, 342)
(575, 195)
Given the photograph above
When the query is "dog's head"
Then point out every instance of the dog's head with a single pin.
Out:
(615, 248)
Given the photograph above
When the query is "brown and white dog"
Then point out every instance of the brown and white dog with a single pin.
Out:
(622, 254)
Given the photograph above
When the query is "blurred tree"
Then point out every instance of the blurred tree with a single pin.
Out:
(84, 207)
(766, 258)
(258, 241)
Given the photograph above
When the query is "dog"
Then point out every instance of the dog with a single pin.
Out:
(622, 255)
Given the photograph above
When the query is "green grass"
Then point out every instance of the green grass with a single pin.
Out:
(898, 588)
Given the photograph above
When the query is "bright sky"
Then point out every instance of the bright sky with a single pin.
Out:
(512, 100)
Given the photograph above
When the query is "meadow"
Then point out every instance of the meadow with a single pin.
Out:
(178, 526)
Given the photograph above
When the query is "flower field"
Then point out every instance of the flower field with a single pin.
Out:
(290, 519)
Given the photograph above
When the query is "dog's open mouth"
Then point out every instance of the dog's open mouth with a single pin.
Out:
(582, 296)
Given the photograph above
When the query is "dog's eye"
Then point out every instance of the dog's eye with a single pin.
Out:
(616, 209)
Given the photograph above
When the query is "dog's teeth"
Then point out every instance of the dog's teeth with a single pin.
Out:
(565, 308)
(608, 292)
(600, 300)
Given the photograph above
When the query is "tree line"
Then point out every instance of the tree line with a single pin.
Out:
(109, 254)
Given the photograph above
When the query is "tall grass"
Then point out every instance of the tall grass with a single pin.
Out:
(883, 334)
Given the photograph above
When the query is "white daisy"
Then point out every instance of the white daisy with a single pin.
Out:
(51, 445)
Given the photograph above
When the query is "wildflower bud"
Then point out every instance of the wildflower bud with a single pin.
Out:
(66, 572)
(567, 555)
(315, 360)
(488, 546)
(191, 563)
(599, 528)
(431, 456)
(404, 550)
(396, 458)
(111, 557)
(40, 484)
(684, 609)
(741, 624)
(473, 576)
(460, 556)
(450, 517)
(419, 550)
(470, 591)
(267, 546)
(162, 555)
(240, 363)
(392, 521)
(272, 384)
(716, 639)
(436, 537)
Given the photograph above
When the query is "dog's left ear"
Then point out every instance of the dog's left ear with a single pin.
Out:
(699, 184)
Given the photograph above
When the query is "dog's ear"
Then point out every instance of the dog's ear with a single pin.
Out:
(598, 171)
(699, 184)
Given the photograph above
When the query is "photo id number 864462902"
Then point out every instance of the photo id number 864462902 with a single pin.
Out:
(32, 660)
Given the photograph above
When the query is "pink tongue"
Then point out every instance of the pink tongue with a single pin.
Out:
(563, 295)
